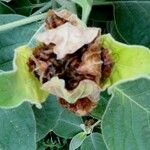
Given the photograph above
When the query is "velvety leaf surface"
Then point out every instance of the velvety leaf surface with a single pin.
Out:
(52, 117)
(129, 61)
(77, 140)
(17, 128)
(93, 142)
(47, 116)
(126, 122)
(101, 106)
(11, 39)
(132, 20)
(68, 124)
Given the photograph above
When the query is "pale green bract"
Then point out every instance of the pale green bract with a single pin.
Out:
(130, 61)
(20, 85)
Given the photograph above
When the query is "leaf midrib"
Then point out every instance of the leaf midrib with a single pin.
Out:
(129, 98)
(91, 136)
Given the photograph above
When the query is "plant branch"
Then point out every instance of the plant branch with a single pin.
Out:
(95, 124)
(43, 9)
(22, 22)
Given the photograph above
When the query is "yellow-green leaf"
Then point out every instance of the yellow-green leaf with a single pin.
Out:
(130, 61)
(19, 84)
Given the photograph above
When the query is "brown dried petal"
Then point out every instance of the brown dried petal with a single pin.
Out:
(81, 107)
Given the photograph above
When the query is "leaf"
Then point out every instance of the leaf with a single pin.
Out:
(77, 140)
(86, 8)
(69, 5)
(23, 7)
(47, 117)
(9, 40)
(93, 142)
(125, 124)
(68, 124)
(4, 9)
(17, 128)
(6, 0)
(19, 84)
(26, 7)
(101, 106)
(52, 117)
(132, 21)
(130, 61)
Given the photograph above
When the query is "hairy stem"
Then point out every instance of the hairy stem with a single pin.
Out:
(95, 124)
(43, 9)
(22, 22)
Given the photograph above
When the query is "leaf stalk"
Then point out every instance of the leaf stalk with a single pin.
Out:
(22, 22)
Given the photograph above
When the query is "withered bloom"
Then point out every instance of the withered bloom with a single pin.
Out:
(70, 62)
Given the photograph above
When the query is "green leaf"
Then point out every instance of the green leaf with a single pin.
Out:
(4, 9)
(25, 7)
(69, 5)
(77, 140)
(17, 128)
(125, 124)
(130, 61)
(47, 117)
(101, 106)
(132, 21)
(68, 124)
(6, 0)
(19, 84)
(9, 40)
(93, 142)
(52, 117)
(86, 8)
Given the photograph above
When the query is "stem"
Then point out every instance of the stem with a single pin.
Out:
(22, 22)
(38, 5)
(95, 124)
(43, 9)
(102, 3)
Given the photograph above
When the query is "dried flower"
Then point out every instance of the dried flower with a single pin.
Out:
(68, 61)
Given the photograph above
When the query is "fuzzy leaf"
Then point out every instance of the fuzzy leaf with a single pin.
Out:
(19, 84)
(126, 121)
(18, 128)
(101, 105)
(47, 117)
(67, 124)
(93, 142)
(77, 140)
(130, 61)
(11, 39)
(52, 117)
(132, 21)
